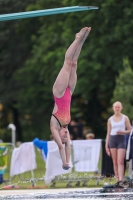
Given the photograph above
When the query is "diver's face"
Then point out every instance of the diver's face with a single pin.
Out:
(63, 134)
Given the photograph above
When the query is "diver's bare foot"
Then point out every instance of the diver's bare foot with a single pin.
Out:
(83, 33)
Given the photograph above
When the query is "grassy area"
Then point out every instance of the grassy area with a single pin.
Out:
(73, 179)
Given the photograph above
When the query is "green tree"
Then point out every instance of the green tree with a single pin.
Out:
(14, 50)
(99, 63)
(43, 42)
(124, 89)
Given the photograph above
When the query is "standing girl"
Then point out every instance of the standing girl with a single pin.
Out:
(118, 126)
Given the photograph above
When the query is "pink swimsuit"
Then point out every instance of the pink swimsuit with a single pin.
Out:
(63, 105)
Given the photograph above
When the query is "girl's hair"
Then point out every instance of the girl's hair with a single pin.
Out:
(117, 102)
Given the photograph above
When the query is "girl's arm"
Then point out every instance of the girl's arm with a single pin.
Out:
(57, 139)
(107, 138)
(68, 149)
(128, 127)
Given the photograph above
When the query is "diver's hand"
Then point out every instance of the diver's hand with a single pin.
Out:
(66, 166)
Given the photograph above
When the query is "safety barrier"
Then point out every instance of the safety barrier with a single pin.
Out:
(46, 165)
(5, 160)
(77, 180)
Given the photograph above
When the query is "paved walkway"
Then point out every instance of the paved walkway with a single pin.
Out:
(37, 191)
(33, 194)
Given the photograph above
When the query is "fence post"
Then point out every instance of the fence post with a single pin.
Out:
(13, 129)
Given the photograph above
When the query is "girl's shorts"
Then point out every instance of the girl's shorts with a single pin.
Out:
(117, 141)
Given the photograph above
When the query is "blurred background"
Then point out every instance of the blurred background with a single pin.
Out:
(32, 53)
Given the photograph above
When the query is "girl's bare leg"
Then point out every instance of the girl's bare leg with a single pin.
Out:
(70, 61)
(115, 165)
(120, 159)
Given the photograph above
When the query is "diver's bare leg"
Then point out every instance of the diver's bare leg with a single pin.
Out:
(70, 61)
(73, 74)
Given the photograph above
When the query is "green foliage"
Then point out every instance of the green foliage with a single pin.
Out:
(14, 50)
(124, 89)
(32, 53)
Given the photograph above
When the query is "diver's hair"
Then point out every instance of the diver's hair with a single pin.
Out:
(117, 102)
